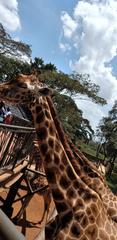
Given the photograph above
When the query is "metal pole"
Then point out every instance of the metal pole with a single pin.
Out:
(16, 128)
(8, 230)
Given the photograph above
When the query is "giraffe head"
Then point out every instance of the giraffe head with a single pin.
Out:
(23, 90)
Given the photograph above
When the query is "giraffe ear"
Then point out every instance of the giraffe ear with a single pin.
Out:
(45, 91)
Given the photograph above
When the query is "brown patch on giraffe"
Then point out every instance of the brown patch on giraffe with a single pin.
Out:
(71, 193)
(91, 219)
(87, 196)
(57, 195)
(111, 211)
(62, 167)
(70, 173)
(51, 176)
(47, 114)
(62, 207)
(66, 218)
(96, 182)
(81, 190)
(45, 105)
(85, 179)
(84, 222)
(61, 236)
(81, 162)
(42, 133)
(57, 146)
(90, 172)
(49, 232)
(63, 159)
(47, 123)
(88, 211)
(40, 117)
(64, 182)
(79, 204)
(79, 216)
(48, 157)
(76, 184)
(92, 232)
(44, 148)
(56, 159)
(51, 142)
(75, 230)
(51, 130)
(38, 109)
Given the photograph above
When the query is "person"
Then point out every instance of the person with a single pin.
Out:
(1, 111)
(8, 117)
(5, 114)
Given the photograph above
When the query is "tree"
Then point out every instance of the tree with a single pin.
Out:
(72, 85)
(71, 117)
(10, 47)
(12, 54)
(67, 87)
(39, 66)
(9, 67)
(107, 131)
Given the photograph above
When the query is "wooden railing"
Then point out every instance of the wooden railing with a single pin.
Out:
(15, 143)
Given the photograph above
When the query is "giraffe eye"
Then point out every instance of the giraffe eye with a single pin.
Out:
(22, 85)
(45, 91)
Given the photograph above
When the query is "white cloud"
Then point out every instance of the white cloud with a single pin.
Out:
(94, 38)
(91, 111)
(9, 14)
(69, 25)
(64, 47)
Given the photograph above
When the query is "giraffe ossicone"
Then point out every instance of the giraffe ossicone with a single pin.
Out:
(82, 213)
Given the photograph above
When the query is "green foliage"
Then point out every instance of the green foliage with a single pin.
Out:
(112, 182)
(71, 117)
(72, 87)
(107, 131)
(39, 66)
(9, 67)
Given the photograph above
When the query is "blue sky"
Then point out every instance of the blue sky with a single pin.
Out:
(41, 28)
(75, 35)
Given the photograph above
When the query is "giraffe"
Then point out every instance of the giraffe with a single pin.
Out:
(30, 177)
(88, 171)
(81, 211)
(41, 181)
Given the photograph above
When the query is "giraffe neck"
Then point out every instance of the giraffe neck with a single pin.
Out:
(59, 171)
(88, 173)
(76, 157)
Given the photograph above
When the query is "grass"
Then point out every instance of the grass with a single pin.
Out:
(90, 149)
